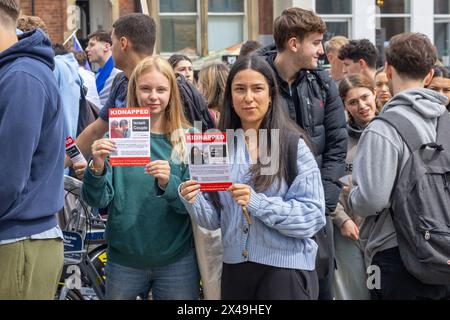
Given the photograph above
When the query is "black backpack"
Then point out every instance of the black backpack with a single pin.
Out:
(195, 107)
(88, 112)
(324, 236)
(421, 202)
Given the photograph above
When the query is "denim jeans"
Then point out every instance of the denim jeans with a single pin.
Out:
(177, 281)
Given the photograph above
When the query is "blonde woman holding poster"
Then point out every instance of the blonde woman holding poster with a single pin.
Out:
(149, 233)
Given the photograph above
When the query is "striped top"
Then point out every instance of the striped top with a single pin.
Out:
(284, 218)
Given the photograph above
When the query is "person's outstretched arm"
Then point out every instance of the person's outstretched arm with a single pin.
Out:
(95, 131)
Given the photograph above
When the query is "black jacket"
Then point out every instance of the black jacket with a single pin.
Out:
(195, 106)
(314, 104)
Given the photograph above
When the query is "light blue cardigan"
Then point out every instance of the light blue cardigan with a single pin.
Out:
(284, 219)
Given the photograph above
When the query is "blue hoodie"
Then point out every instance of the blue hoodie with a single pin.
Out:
(69, 83)
(31, 138)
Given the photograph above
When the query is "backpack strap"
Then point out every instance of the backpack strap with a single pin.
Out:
(404, 127)
(443, 130)
(292, 146)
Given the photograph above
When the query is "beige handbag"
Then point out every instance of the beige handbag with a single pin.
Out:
(208, 246)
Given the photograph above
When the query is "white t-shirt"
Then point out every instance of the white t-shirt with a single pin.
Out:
(89, 82)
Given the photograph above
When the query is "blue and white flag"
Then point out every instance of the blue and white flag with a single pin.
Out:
(77, 47)
(76, 44)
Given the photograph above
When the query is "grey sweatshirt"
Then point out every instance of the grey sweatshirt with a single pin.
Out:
(380, 156)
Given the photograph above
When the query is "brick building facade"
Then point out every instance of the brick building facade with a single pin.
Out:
(62, 17)
(46, 10)
(56, 14)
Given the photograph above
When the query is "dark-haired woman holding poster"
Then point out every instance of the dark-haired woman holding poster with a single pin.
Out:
(267, 217)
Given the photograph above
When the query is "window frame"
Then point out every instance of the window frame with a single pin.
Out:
(439, 14)
(202, 24)
(352, 3)
(441, 18)
(182, 14)
(340, 18)
(243, 14)
(378, 17)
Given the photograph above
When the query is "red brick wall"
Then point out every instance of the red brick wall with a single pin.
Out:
(265, 16)
(54, 14)
(126, 7)
(25, 6)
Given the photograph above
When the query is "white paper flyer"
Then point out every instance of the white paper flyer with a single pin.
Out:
(208, 160)
(73, 151)
(130, 129)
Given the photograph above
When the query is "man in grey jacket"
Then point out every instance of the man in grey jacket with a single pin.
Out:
(382, 154)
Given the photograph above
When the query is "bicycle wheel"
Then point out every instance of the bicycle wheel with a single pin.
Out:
(74, 294)
(69, 294)
(98, 258)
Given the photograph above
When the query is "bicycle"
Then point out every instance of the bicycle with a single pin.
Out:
(83, 276)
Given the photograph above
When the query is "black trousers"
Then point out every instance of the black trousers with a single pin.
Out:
(397, 283)
(327, 267)
(254, 281)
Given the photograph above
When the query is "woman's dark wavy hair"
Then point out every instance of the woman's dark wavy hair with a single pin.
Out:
(275, 118)
(175, 58)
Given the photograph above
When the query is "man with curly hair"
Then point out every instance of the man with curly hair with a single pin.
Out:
(359, 56)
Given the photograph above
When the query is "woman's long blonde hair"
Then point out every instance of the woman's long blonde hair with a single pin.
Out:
(174, 118)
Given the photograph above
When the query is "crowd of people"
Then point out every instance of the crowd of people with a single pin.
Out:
(311, 230)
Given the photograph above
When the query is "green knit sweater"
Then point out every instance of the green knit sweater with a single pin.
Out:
(146, 227)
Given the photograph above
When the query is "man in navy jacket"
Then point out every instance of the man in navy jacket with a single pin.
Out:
(31, 163)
